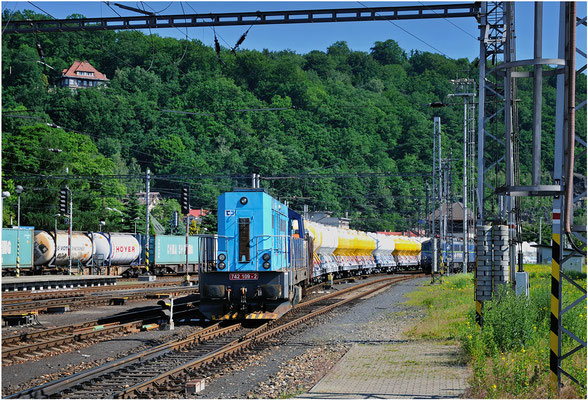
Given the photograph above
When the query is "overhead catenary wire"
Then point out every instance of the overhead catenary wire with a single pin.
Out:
(212, 27)
(184, 178)
(448, 20)
(10, 17)
(411, 34)
(53, 125)
(152, 44)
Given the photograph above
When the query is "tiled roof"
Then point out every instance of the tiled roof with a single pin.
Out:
(83, 66)
(199, 213)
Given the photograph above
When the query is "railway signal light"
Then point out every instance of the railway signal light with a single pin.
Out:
(63, 201)
(186, 200)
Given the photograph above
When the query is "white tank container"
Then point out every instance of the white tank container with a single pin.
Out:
(81, 248)
(124, 249)
(100, 245)
(44, 248)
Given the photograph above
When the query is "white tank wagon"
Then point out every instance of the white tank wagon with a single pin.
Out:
(88, 249)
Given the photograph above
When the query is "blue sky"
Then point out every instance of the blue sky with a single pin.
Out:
(438, 35)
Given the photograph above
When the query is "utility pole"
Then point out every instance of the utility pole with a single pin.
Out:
(19, 190)
(186, 211)
(70, 228)
(437, 248)
(440, 192)
(465, 88)
(147, 183)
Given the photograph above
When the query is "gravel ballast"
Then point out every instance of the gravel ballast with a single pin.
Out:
(296, 363)
(290, 365)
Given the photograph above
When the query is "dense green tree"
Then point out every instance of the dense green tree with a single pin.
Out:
(171, 106)
(388, 52)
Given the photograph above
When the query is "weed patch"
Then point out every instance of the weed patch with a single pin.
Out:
(510, 356)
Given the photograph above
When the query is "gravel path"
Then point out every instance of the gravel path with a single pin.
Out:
(295, 364)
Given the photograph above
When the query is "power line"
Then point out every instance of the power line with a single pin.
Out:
(457, 26)
(188, 178)
(411, 34)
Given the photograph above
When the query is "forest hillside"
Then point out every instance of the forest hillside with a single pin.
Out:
(342, 130)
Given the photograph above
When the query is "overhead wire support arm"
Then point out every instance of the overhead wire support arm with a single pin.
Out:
(436, 11)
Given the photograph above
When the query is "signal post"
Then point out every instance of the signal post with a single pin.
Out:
(186, 212)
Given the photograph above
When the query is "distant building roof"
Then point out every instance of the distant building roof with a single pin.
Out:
(88, 69)
(457, 209)
(199, 213)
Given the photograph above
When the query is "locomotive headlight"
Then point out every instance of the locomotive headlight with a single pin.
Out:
(243, 200)
(266, 256)
(222, 257)
(221, 265)
(266, 265)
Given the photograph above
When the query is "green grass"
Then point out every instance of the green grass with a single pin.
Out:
(510, 356)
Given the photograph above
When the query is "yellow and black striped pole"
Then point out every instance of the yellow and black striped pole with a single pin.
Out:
(554, 336)
(477, 302)
(479, 319)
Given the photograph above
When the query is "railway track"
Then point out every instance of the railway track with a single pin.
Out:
(79, 292)
(31, 346)
(163, 371)
(88, 299)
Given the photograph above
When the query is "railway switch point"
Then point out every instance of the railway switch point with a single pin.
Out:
(147, 278)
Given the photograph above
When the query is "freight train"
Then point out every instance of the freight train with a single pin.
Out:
(455, 251)
(268, 254)
(101, 252)
(306, 251)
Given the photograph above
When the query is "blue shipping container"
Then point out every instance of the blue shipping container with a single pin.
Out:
(9, 245)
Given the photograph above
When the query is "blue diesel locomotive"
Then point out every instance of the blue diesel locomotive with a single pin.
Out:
(262, 263)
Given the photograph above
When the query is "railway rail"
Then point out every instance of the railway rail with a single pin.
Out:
(34, 345)
(140, 375)
(13, 306)
(48, 294)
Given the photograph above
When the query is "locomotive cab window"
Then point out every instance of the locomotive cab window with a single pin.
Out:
(244, 256)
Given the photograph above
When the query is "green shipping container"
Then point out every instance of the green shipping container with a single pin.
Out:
(171, 250)
(9, 247)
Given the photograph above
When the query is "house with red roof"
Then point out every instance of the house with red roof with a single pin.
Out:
(82, 74)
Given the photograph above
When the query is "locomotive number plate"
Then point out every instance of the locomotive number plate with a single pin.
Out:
(243, 276)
